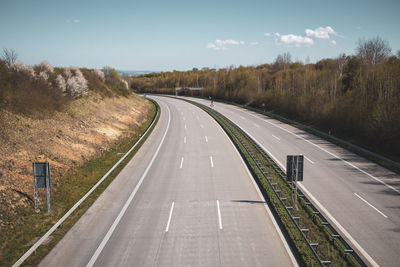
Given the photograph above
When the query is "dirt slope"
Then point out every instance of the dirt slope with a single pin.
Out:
(88, 126)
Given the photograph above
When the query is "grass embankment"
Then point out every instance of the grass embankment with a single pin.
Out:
(74, 185)
(279, 195)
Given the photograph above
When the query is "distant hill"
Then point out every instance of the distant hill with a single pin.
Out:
(134, 72)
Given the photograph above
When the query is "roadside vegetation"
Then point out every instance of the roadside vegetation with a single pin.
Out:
(79, 120)
(75, 183)
(354, 97)
(42, 89)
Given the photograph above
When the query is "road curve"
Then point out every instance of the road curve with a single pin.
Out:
(361, 197)
(185, 199)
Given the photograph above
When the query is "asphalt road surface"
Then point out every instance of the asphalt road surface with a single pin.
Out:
(361, 198)
(185, 199)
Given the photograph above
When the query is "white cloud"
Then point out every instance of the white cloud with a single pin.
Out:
(221, 45)
(254, 43)
(213, 46)
(228, 42)
(76, 20)
(267, 34)
(321, 32)
(292, 39)
(333, 42)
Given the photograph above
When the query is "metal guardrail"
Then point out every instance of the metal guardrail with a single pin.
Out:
(296, 220)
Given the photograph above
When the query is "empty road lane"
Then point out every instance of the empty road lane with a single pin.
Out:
(185, 199)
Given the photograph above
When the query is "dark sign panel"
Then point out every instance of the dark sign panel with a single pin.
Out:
(294, 166)
(41, 172)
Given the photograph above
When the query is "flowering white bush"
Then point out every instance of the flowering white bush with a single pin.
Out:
(70, 81)
(43, 76)
(76, 83)
(125, 83)
(46, 66)
(19, 66)
(67, 73)
(100, 74)
(61, 84)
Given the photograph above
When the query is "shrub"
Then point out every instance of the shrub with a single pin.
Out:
(125, 84)
(76, 82)
(45, 66)
(99, 74)
(41, 89)
(20, 67)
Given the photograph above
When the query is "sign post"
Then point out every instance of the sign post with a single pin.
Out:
(294, 173)
(41, 179)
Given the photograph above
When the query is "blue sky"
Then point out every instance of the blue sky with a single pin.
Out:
(167, 35)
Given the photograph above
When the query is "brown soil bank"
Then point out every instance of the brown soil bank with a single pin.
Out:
(87, 127)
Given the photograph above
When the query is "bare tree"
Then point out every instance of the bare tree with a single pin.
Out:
(282, 61)
(287, 58)
(341, 60)
(9, 56)
(106, 70)
(373, 51)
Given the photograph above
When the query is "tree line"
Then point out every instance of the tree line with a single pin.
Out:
(356, 97)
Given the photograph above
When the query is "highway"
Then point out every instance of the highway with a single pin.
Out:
(185, 199)
(358, 196)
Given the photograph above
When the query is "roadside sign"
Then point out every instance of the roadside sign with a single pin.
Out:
(41, 179)
(294, 168)
(294, 173)
(41, 173)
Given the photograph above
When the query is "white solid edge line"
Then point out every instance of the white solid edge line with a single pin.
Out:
(323, 149)
(129, 200)
(181, 163)
(211, 161)
(219, 215)
(322, 208)
(369, 204)
(170, 216)
(76, 205)
(278, 229)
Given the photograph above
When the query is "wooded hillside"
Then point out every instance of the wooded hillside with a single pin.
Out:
(356, 97)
